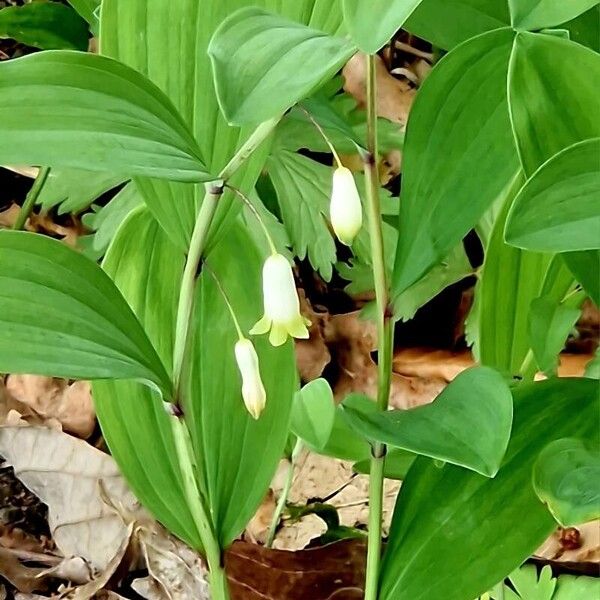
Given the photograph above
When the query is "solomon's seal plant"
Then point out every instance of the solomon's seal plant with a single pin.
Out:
(188, 117)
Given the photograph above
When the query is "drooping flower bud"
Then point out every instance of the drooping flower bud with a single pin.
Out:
(282, 307)
(345, 210)
(253, 390)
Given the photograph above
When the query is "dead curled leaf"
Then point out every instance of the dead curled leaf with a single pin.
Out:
(66, 474)
(332, 572)
(51, 398)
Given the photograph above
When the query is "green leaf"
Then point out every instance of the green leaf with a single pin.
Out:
(548, 69)
(550, 322)
(63, 316)
(575, 588)
(303, 187)
(313, 413)
(45, 25)
(395, 466)
(462, 108)
(372, 23)
(468, 424)
(538, 14)
(442, 509)
(529, 587)
(110, 118)
(447, 23)
(253, 53)
(107, 220)
(236, 455)
(88, 10)
(454, 268)
(565, 477)
(138, 33)
(147, 268)
(558, 209)
(72, 190)
(511, 279)
(585, 266)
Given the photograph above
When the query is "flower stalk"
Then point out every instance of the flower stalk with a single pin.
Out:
(385, 334)
(31, 198)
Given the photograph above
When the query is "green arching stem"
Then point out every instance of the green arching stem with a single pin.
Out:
(385, 334)
(31, 198)
(323, 135)
(183, 446)
(285, 492)
(253, 210)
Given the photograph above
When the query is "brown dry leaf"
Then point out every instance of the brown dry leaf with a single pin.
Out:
(73, 569)
(67, 474)
(332, 572)
(9, 216)
(258, 527)
(355, 339)
(394, 97)
(90, 589)
(24, 579)
(312, 355)
(52, 398)
(176, 572)
(579, 544)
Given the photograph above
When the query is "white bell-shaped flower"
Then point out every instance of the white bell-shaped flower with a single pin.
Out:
(345, 209)
(282, 307)
(253, 390)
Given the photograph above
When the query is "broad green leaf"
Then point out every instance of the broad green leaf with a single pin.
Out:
(63, 316)
(585, 266)
(72, 190)
(372, 23)
(585, 29)
(447, 23)
(147, 268)
(468, 424)
(538, 14)
(574, 588)
(565, 477)
(110, 118)
(313, 413)
(396, 464)
(462, 109)
(510, 280)
(167, 41)
(253, 53)
(45, 25)
(442, 509)
(550, 322)
(558, 209)
(303, 187)
(236, 455)
(592, 369)
(549, 69)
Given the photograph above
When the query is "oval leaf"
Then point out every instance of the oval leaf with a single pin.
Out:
(565, 477)
(72, 109)
(313, 413)
(468, 424)
(558, 209)
(445, 516)
(585, 266)
(549, 68)
(538, 14)
(373, 22)
(63, 316)
(254, 52)
(461, 108)
(45, 25)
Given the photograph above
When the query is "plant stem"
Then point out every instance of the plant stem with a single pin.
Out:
(183, 446)
(31, 198)
(285, 492)
(385, 334)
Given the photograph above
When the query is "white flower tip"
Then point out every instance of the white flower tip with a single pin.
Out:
(345, 209)
(253, 390)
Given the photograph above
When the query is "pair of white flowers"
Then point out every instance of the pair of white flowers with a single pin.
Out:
(281, 304)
